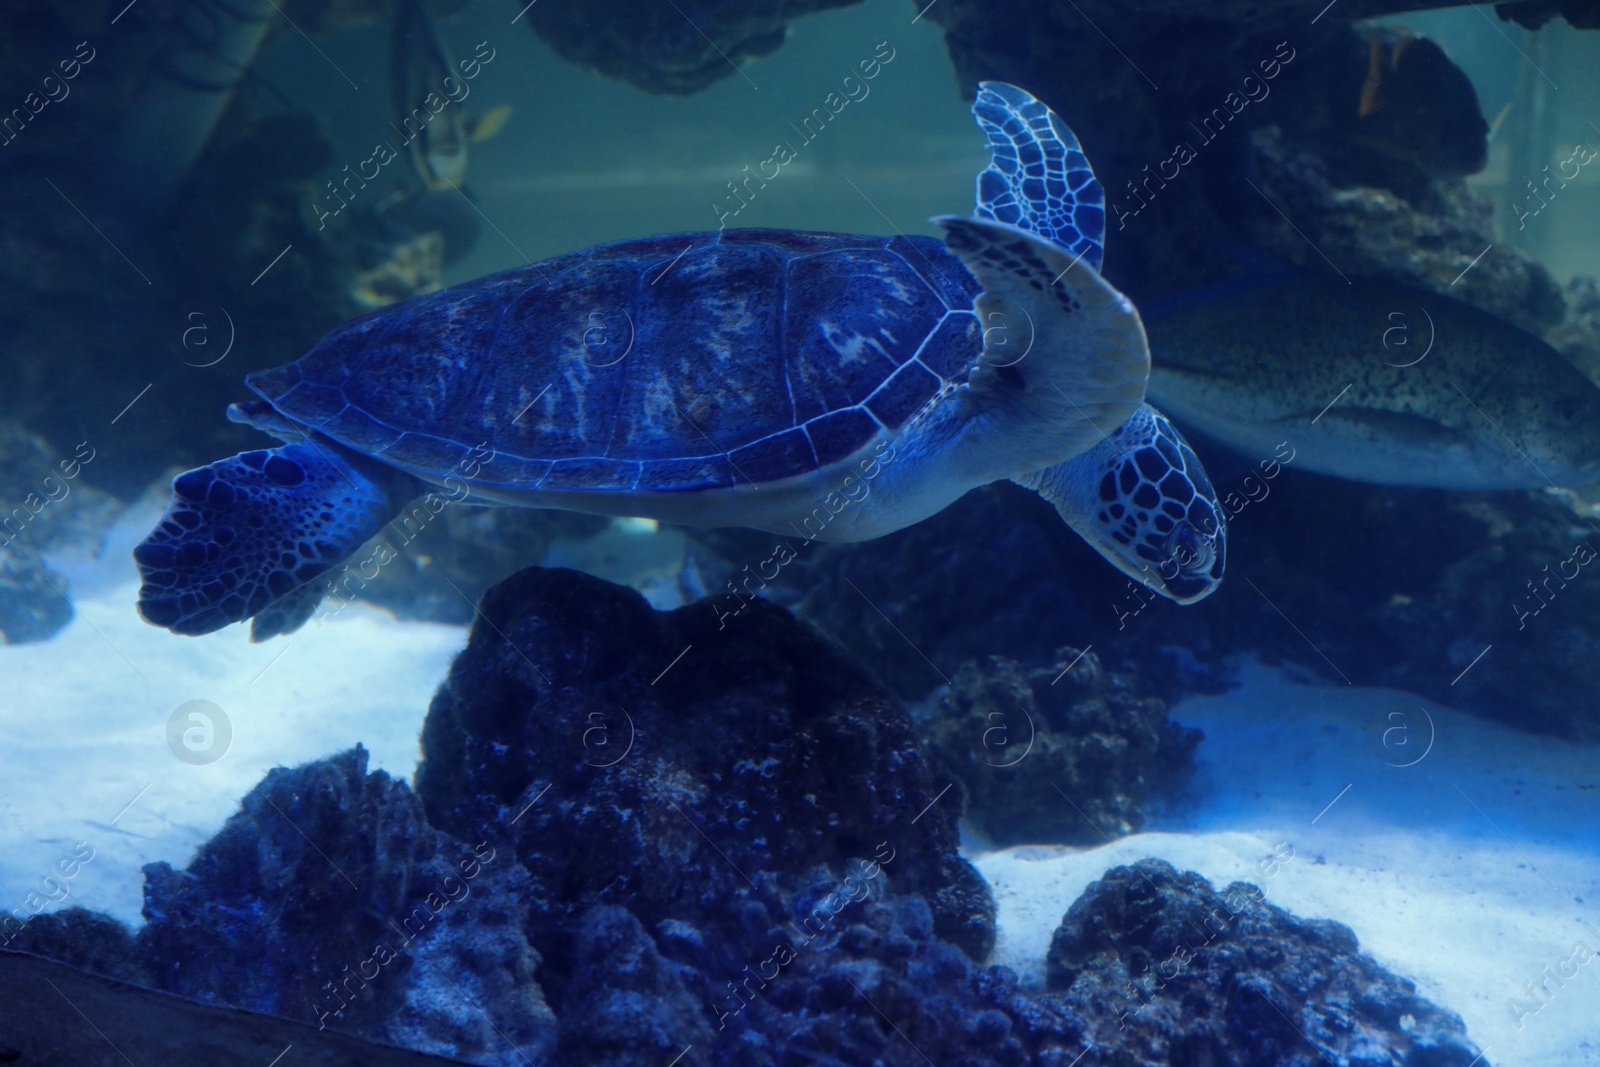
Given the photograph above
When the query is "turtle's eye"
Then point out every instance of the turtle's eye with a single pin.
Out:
(1191, 550)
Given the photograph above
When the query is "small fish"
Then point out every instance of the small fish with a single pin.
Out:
(1415, 104)
(486, 125)
(1372, 88)
(1499, 119)
(420, 65)
(1374, 382)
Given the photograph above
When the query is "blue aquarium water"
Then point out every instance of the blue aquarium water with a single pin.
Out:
(848, 532)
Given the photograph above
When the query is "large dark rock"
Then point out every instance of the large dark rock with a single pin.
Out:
(722, 750)
(33, 604)
(734, 839)
(673, 48)
(1067, 753)
(329, 900)
(681, 48)
(46, 506)
(736, 849)
(650, 838)
(1248, 121)
(1172, 971)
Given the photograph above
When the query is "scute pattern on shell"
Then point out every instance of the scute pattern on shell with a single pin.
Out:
(1037, 177)
(671, 363)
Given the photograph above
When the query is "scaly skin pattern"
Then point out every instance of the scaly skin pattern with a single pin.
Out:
(248, 530)
(1418, 389)
(1142, 498)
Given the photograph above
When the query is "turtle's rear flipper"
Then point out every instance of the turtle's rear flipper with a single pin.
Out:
(287, 614)
(249, 531)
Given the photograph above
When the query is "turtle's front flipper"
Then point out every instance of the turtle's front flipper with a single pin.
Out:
(1144, 502)
(248, 532)
(1064, 357)
(1038, 178)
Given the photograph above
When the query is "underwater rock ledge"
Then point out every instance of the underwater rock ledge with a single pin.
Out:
(1069, 753)
(1171, 971)
(639, 835)
(663, 48)
(642, 722)
(46, 509)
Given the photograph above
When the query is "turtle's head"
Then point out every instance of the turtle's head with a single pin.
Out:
(1143, 500)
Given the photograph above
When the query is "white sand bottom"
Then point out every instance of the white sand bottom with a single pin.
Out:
(86, 763)
(1470, 871)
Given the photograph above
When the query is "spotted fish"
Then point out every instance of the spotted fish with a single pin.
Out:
(1374, 382)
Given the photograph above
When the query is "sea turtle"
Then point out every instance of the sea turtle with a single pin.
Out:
(818, 386)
